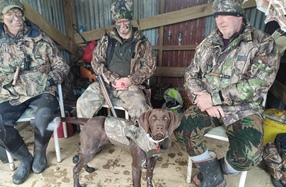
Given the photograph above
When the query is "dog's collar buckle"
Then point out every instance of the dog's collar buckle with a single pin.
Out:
(158, 148)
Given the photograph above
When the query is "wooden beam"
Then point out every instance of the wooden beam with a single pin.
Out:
(175, 47)
(169, 71)
(68, 6)
(48, 28)
(169, 18)
(279, 91)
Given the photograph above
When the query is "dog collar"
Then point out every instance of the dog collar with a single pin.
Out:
(156, 141)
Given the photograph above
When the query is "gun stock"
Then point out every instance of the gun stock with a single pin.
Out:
(106, 96)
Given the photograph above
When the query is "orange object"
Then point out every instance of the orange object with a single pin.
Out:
(85, 73)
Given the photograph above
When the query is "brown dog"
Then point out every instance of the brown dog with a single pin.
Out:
(157, 122)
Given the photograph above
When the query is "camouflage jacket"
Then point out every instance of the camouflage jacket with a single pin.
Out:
(142, 64)
(40, 62)
(237, 76)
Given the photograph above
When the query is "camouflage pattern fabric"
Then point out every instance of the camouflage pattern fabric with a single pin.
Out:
(121, 9)
(116, 129)
(119, 130)
(39, 60)
(8, 4)
(92, 99)
(273, 160)
(142, 65)
(280, 40)
(228, 6)
(237, 76)
(245, 137)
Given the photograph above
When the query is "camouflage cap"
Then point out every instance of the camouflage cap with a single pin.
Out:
(6, 5)
(228, 7)
(121, 9)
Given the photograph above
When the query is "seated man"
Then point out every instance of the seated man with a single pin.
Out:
(123, 57)
(232, 70)
(30, 68)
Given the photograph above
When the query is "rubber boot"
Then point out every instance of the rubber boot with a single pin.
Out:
(40, 147)
(23, 170)
(212, 175)
(223, 167)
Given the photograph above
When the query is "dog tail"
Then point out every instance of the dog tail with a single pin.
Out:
(74, 120)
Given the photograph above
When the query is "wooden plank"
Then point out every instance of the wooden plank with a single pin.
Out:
(67, 4)
(161, 20)
(48, 28)
(279, 91)
(95, 34)
(169, 71)
(176, 47)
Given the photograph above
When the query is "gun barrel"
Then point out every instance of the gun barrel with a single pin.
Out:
(106, 96)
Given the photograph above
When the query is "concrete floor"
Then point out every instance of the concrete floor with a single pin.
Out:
(114, 170)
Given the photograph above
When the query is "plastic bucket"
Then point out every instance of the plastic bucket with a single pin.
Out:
(273, 124)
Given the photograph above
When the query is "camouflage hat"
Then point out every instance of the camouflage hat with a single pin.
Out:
(228, 7)
(6, 5)
(121, 9)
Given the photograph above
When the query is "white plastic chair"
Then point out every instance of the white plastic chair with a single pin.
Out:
(53, 125)
(219, 133)
(117, 104)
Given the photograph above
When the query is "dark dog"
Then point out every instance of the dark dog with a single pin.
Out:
(157, 122)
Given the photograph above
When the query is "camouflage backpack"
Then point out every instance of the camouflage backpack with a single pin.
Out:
(274, 155)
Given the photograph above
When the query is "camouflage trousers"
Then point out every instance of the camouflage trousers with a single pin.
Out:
(245, 137)
(90, 102)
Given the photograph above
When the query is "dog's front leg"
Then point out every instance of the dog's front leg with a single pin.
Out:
(138, 162)
(136, 176)
(151, 162)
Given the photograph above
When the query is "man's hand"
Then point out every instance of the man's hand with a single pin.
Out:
(122, 84)
(203, 101)
(216, 112)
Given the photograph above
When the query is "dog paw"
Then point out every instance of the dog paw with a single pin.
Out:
(89, 169)
(75, 159)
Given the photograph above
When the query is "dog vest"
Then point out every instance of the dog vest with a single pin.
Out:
(120, 130)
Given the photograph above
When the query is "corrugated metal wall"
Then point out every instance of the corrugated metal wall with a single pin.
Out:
(94, 14)
(52, 10)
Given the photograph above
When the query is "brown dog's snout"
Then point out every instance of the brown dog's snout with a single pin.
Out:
(159, 132)
(160, 127)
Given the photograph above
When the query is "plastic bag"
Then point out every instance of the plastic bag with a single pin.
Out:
(88, 50)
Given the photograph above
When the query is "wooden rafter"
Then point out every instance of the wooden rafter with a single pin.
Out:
(64, 41)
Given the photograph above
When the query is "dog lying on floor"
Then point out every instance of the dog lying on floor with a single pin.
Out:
(158, 123)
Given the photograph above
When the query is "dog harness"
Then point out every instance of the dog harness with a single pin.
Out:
(120, 130)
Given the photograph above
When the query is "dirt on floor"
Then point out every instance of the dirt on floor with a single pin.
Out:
(113, 167)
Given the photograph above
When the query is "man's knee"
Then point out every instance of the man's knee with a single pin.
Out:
(245, 162)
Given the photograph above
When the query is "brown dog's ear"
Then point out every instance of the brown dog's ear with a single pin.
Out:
(144, 120)
(174, 122)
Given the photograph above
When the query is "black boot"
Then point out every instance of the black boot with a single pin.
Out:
(23, 170)
(40, 147)
(223, 168)
(211, 172)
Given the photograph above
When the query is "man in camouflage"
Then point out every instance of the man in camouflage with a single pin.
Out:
(230, 74)
(30, 68)
(123, 57)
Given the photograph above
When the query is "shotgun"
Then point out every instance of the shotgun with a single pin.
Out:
(106, 96)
